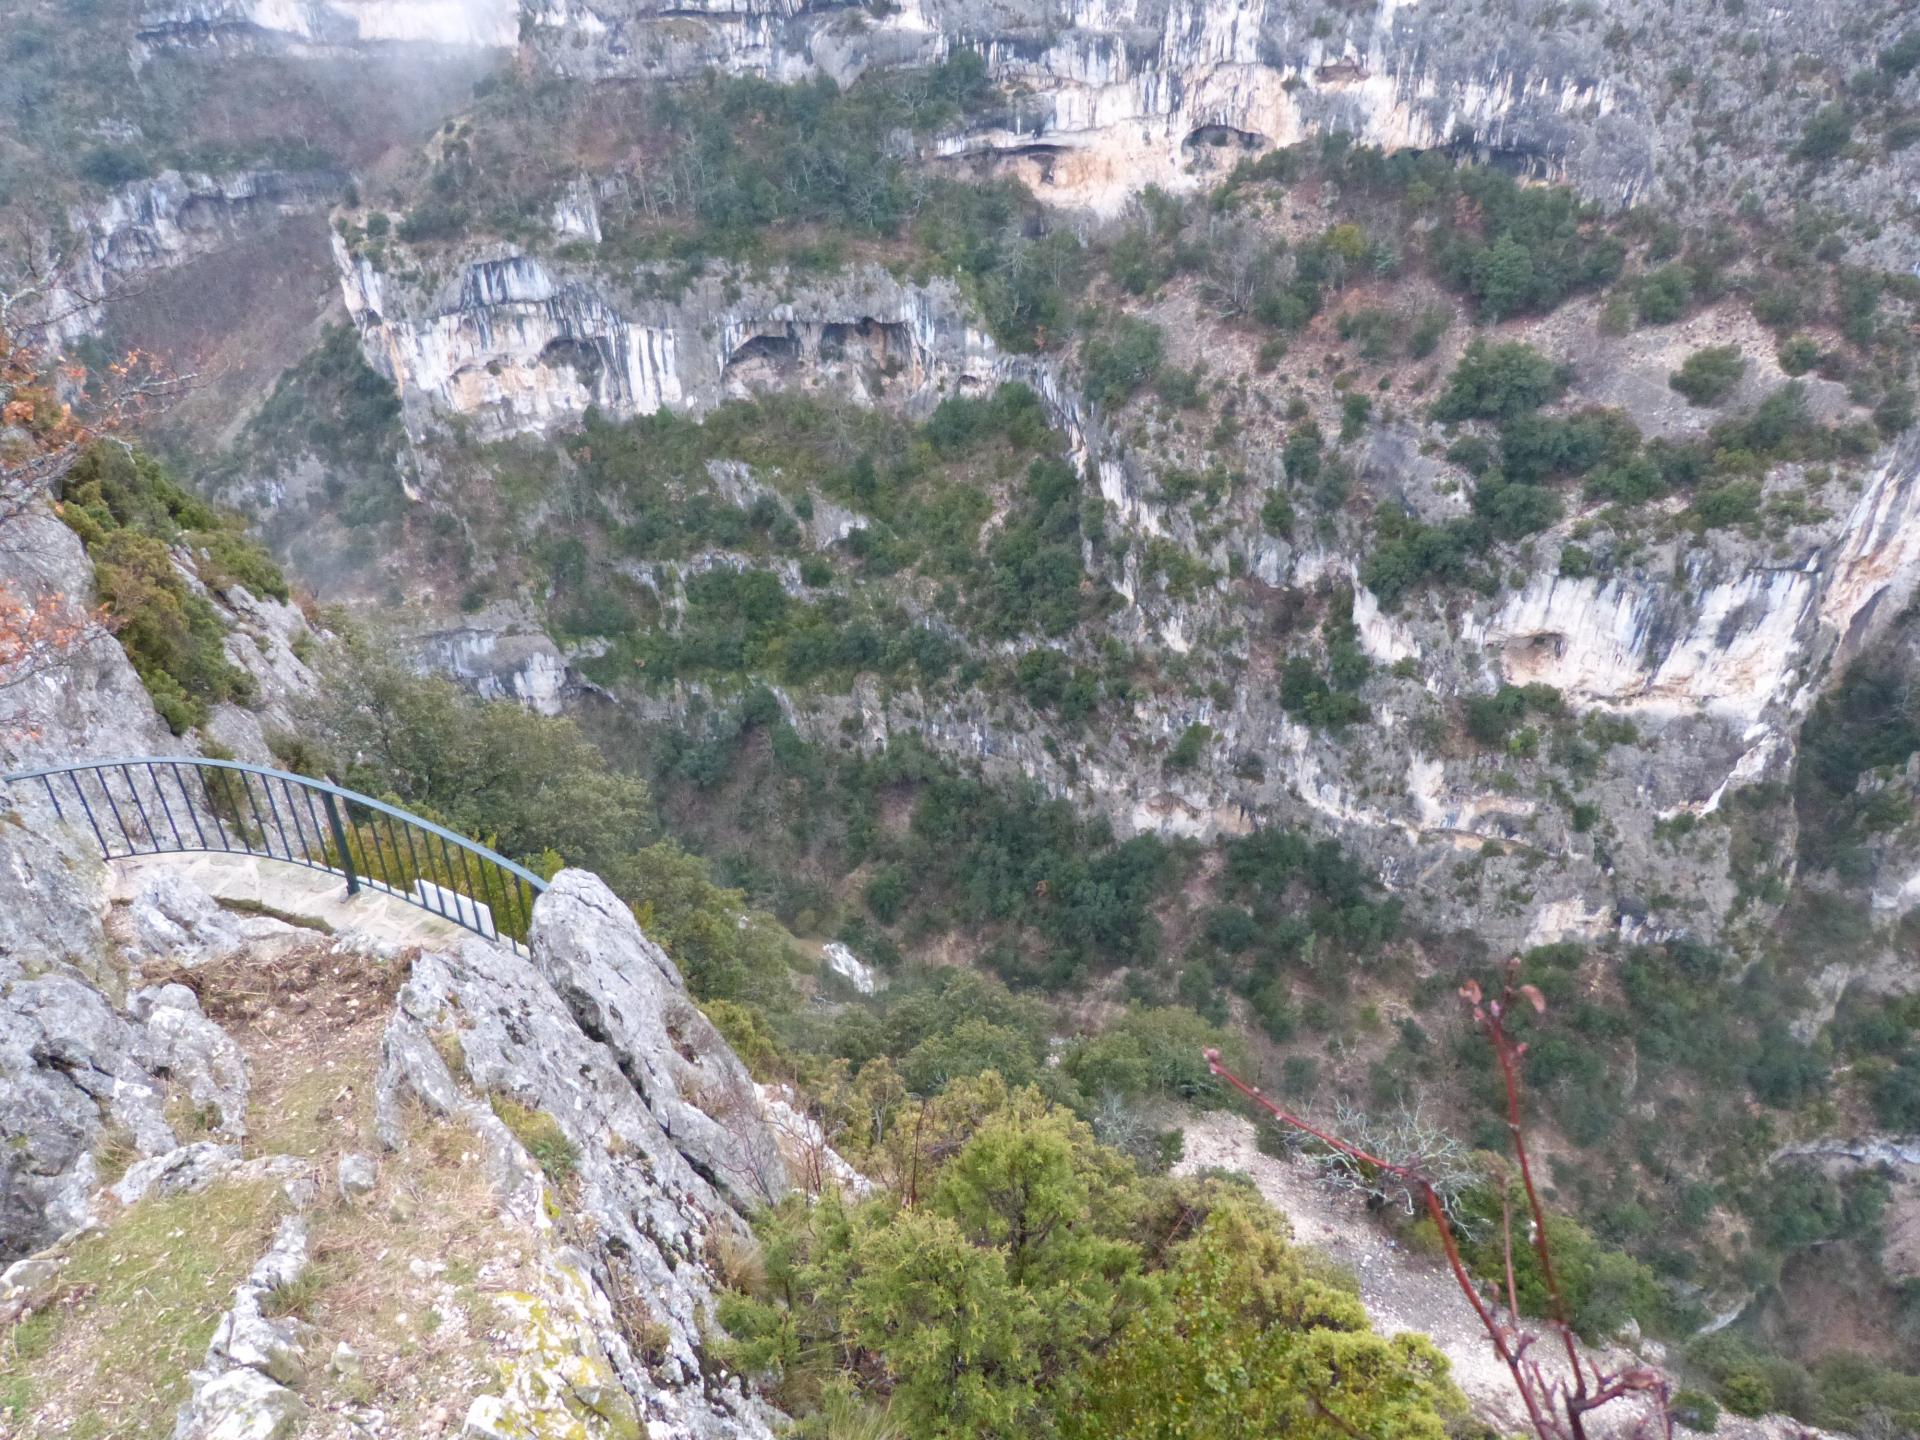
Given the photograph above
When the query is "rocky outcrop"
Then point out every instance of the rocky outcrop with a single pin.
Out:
(246, 1387)
(202, 1064)
(324, 27)
(1109, 96)
(1713, 646)
(69, 1065)
(89, 702)
(500, 653)
(170, 220)
(663, 1129)
(518, 343)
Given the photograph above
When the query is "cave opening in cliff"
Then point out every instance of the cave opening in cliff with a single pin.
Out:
(580, 356)
(1215, 136)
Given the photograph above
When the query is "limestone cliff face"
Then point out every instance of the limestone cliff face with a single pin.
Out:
(172, 219)
(1713, 647)
(323, 27)
(600, 1034)
(1114, 95)
(517, 343)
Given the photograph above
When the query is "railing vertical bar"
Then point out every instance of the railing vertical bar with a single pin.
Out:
(393, 855)
(274, 810)
(58, 813)
(474, 896)
(165, 809)
(446, 859)
(236, 822)
(146, 821)
(490, 873)
(266, 840)
(286, 793)
(100, 779)
(193, 812)
(340, 839)
(413, 864)
(200, 773)
(318, 828)
(73, 776)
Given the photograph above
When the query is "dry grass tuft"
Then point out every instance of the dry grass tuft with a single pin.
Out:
(737, 1261)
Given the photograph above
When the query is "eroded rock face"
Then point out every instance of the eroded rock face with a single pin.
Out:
(171, 219)
(89, 704)
(659, 1122)
(625, 992)
(68, 1065)
(200, 1059)
(1713, 647)
(53, 892)
(1110, 96)
(501, 653)
(85, 1066)
(519, 343)
(325, 27)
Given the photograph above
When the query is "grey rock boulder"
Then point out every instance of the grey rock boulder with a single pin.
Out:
(52, 890)
(201, 1059)
(626, 993)
(68, 1065)
(26, 1285)
(242, 1404)
(356, 1177)
(171, 916)
(243, 1389)
(642, 1166)
(186, 1170)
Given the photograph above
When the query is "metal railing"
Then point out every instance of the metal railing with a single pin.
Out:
(164, 804)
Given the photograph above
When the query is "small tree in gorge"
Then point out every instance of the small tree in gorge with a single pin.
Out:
(1558, 1399)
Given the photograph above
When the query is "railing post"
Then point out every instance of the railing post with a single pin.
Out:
(340, 840)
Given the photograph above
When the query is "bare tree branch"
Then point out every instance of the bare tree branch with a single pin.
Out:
(1557, 1401)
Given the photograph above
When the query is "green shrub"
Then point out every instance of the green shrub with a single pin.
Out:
(1696, 1410)
(1828, 133)
(1276, 515)
(114, 165)
(1746, 1392)
(1304, 692)
(1900, 58)
(129, 514)
(1491, 718)
(1735, 503)
(1408, 552)
(1424, 338)
(1499, 382)
(1151, 1054)
(1514, 510)
(1120, 363)
(1035, 1287)
(1799, 355)
(1662, 296)
(1529, 249)
(1192, 743)
(1356, 410)
(1706, 377)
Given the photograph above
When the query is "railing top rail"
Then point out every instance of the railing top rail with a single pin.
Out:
(519, 872)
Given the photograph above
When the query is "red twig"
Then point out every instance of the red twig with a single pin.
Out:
(1556, 1406)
